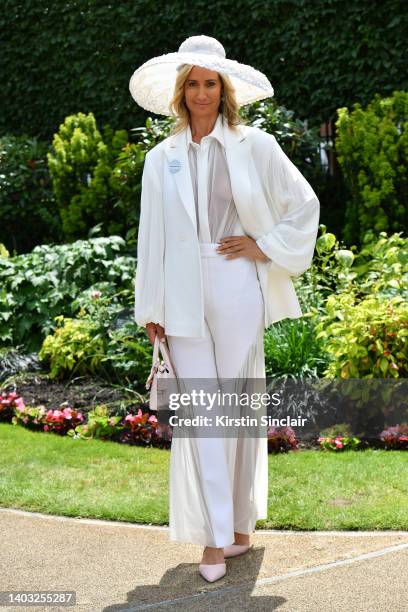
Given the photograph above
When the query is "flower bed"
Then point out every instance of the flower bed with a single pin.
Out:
(141, 427)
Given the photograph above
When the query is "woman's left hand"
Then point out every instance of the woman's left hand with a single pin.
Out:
(241, 246)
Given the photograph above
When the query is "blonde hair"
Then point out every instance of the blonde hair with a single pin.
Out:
(228, 108)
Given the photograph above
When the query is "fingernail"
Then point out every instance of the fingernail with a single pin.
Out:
(163, 340)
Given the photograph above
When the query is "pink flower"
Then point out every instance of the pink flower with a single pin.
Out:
(339, 443)
(56, 416)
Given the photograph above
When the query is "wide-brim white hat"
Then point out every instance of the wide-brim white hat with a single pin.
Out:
(152, 84)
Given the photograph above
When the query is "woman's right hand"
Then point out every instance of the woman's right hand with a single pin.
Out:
(154, 328)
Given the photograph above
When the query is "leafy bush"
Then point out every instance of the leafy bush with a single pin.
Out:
(153, 132)
(82, 166)
(104, 340)
(366, 339)
(294, 347)
(41, 285)
(381, 267)
(28, 213)
(75, 346)
(372, 147)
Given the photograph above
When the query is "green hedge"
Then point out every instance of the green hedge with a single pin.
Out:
(372, 148)
(60, 58)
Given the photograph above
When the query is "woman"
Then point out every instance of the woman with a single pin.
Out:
(226, 219)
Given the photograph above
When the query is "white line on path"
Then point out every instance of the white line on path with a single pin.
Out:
(271, 580)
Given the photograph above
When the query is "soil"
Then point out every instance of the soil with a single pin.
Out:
(82, 393)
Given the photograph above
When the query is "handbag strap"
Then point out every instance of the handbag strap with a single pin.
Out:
(155, 350)
(166, 355)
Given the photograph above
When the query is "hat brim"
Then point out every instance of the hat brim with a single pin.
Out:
(152, 84)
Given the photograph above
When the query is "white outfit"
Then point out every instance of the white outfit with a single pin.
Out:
(219, 485)
(237, 181)
(276, 206)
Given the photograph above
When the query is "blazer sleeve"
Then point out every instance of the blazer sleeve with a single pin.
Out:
(149, 283)
(290, 245)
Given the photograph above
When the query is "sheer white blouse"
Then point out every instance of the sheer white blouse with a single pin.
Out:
(216, 213)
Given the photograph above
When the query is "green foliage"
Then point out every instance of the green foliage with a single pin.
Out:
(36, 287)
(291, 349)
(153, 132)
(99, 425)
(318, 55)
(3, 251)
(75, 346)
(299, 141)
(122, 354)
(339, 443)
(129, 354)
(380, 269)
(365, 339)
(27, 208)
(81, 168)
(372, 147)
(357, 300)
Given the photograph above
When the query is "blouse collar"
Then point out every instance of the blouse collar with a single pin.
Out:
(217, 133)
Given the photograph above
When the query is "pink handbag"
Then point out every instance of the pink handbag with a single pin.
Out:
(162, 377)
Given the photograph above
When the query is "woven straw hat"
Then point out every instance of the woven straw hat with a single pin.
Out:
(152, 84)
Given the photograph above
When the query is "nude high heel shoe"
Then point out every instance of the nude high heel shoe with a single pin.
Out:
(212, 572)
(233, 550)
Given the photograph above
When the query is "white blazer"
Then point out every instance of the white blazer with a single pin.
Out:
(276, 206)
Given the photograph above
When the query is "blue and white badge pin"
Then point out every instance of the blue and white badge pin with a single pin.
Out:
(174, 165)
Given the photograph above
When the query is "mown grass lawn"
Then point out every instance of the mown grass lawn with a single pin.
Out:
(307, 490)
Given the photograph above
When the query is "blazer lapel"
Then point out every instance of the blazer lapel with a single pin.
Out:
(237, 149)
(177, 157)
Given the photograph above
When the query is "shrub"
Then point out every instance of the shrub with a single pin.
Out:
(81, 167)
(75, 346)
(28, 213)
(41, 285)
(366, 339)
(372, 147)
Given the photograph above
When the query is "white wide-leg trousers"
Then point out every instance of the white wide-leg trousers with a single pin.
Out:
(219, 485)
